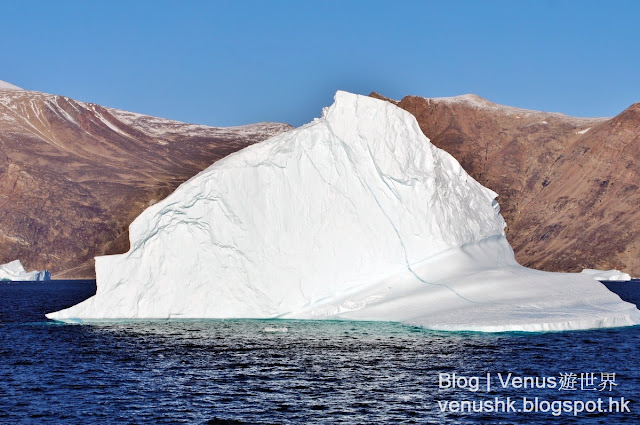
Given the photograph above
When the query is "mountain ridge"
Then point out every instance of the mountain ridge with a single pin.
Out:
(8, 86)
(112, 164)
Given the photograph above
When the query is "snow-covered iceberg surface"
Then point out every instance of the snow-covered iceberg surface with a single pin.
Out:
(607, 274)
(14, 271)
(353, 216)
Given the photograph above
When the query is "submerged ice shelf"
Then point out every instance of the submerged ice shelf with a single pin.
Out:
(353, 216)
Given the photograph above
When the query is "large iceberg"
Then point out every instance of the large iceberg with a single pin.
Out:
(353, 216)
(14, 271)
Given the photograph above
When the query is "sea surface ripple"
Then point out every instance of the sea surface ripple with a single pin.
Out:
(280, 372)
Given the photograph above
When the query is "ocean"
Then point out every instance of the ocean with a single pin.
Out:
(303, 372)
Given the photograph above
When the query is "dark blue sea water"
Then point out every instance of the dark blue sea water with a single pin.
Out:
(233, 372)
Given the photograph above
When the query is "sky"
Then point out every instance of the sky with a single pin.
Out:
(226, 63)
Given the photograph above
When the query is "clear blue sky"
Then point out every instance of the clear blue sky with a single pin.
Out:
(236, 62)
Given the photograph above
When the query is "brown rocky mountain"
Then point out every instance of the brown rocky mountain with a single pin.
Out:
(73, 175)
(568, 186)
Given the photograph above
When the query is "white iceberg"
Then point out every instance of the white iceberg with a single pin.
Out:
(607, 274)
(353, 216)
(273, 329)
(14, 271)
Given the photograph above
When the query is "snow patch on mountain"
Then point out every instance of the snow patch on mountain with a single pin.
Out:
(6, 86)
(161, 126)
(478, 102)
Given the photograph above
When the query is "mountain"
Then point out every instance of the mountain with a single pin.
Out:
(354, 216)
(568, 186)
(73, 175)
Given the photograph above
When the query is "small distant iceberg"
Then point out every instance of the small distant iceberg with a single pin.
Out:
(274, 329)
(14, 271)
(607, 274)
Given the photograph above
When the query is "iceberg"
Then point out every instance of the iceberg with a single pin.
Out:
(14, 271)
(354, 216)
(607, 274)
